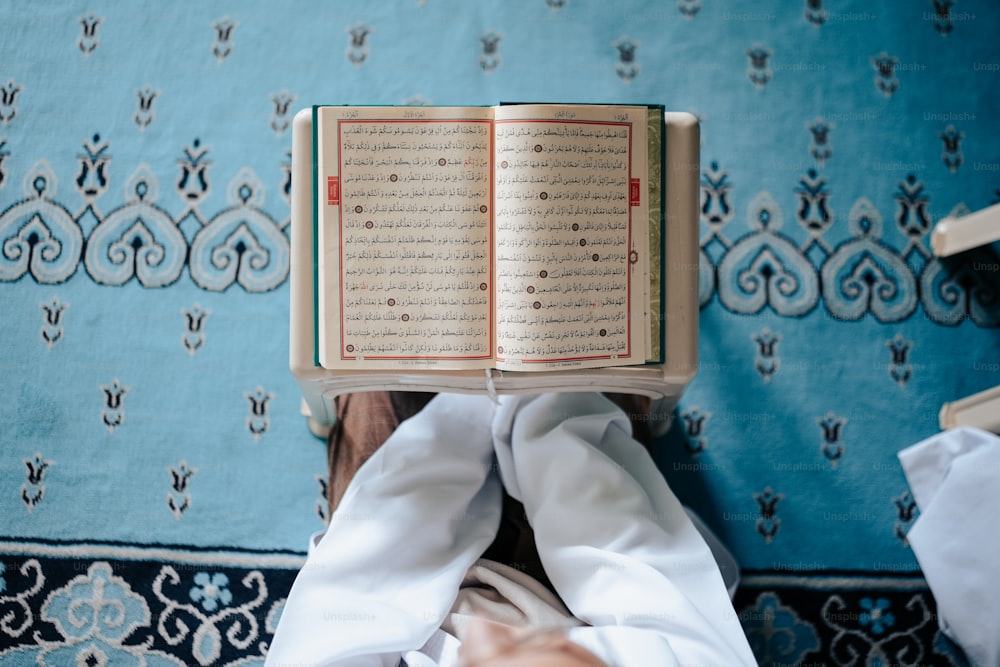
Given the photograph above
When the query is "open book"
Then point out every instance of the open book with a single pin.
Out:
(518, 237)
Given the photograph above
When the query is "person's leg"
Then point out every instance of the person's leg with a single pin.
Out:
(411, 521)
(618, 546)
(636, 408)
(515, 542)
(365, 420)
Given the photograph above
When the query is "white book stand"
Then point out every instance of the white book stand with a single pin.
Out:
(953, 235)
(663, 383)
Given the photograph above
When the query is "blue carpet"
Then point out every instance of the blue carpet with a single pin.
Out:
(153, 454)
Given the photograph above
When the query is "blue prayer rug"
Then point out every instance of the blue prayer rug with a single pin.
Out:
(159, 483)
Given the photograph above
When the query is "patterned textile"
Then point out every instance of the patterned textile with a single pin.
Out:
(122, 612)
(157, 482)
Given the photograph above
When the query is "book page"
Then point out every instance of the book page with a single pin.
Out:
(405, 237)
(572, 255)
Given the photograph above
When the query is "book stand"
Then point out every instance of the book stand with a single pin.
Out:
(663, 383)
(953, 235)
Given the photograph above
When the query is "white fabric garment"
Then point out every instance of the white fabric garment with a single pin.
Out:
(500, 594)
(619, 548)
(953, 479)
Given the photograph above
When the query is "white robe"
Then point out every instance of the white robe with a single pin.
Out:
(616, 543)
(953, 477)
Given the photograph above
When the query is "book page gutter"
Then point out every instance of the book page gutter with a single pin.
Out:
(567, 295)
(415, 283)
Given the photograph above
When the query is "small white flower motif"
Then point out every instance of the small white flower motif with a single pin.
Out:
(8, 101)
(144, 114)
(89, 40)
(223, 44)
(258, 420)
(211, 591)
(282, 103)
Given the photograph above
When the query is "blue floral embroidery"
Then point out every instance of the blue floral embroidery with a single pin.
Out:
(3, 584)
(764, 269)
(211, 590)
(864, 275)
(776, 633)
(877, 615)
(94, 616)
(227, 624)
